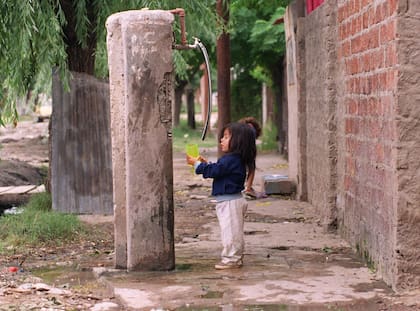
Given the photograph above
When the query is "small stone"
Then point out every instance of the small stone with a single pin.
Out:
(105, 306)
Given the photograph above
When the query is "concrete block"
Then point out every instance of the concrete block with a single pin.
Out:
(278, 184)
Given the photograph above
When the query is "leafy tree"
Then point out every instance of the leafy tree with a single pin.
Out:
(69, 34)
(253, 30)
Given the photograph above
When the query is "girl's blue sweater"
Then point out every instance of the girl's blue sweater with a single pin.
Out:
(228, 174)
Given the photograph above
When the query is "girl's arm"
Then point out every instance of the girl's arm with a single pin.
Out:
(250, 180)
(213, 170)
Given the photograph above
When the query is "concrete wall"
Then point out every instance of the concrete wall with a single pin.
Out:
(295, 91)
(407, 148)
(320, 97)
(359, 83)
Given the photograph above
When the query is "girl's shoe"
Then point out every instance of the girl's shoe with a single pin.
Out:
(228, 265)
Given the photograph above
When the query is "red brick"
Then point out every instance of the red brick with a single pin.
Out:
(386, 104)
(385, 9)
(351, 126)
(371, 11)
(390, 55)
(388, 31)
(365, 3)
(378, 59)
(391, 80)
(374, 84)
(379, 14)
(373, 106)
(351, 106)
(357, 6)
(365, 62)
(346, 48)
(379, 152)
(393, 4)
(374, 38)
(340, 14)
(355, 45)
(365, 20)
(362, 107)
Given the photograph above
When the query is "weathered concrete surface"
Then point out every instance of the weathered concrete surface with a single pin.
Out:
(117, 102)
(141, 42)
(407, 250)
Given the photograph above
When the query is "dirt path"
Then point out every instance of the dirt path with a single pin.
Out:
(23, 154)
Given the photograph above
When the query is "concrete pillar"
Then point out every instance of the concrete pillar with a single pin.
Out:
(140, 66)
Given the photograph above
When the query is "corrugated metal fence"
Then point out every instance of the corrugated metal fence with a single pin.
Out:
(81, 165)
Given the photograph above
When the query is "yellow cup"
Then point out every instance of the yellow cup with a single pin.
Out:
(192, 150)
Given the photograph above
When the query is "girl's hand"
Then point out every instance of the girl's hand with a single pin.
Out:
(191, 160)
(202, 159)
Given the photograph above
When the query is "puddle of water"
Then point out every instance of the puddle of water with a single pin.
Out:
(10, 210)
(364, 306)
(64, 276)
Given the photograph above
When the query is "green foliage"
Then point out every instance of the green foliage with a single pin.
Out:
(258, 47)
(31, 43)
(32, 40)
(246, 96)
(269, 138)
(37, 224)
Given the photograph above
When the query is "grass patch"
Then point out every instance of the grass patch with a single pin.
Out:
(183, 135)
(38, 225)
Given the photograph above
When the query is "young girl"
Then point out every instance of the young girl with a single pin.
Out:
(237, 142)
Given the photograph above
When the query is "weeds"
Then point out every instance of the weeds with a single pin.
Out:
(38, 224)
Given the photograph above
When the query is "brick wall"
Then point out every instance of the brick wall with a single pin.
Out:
(358, 131)
(367, 56)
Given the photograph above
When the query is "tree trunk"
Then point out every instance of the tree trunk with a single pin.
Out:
(80, 57)
(190, 108)
(179, 91)
(223, 68)
(281, 109)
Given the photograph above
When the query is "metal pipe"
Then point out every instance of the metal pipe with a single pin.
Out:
(206, 59)
(181, 13)
(197, 45)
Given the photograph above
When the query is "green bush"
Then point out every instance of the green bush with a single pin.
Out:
(38, 224)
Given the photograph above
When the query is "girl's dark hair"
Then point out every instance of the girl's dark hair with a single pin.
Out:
(254, 123)
(242, 142)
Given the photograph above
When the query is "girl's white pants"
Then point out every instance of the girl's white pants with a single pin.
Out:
(231, 220)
